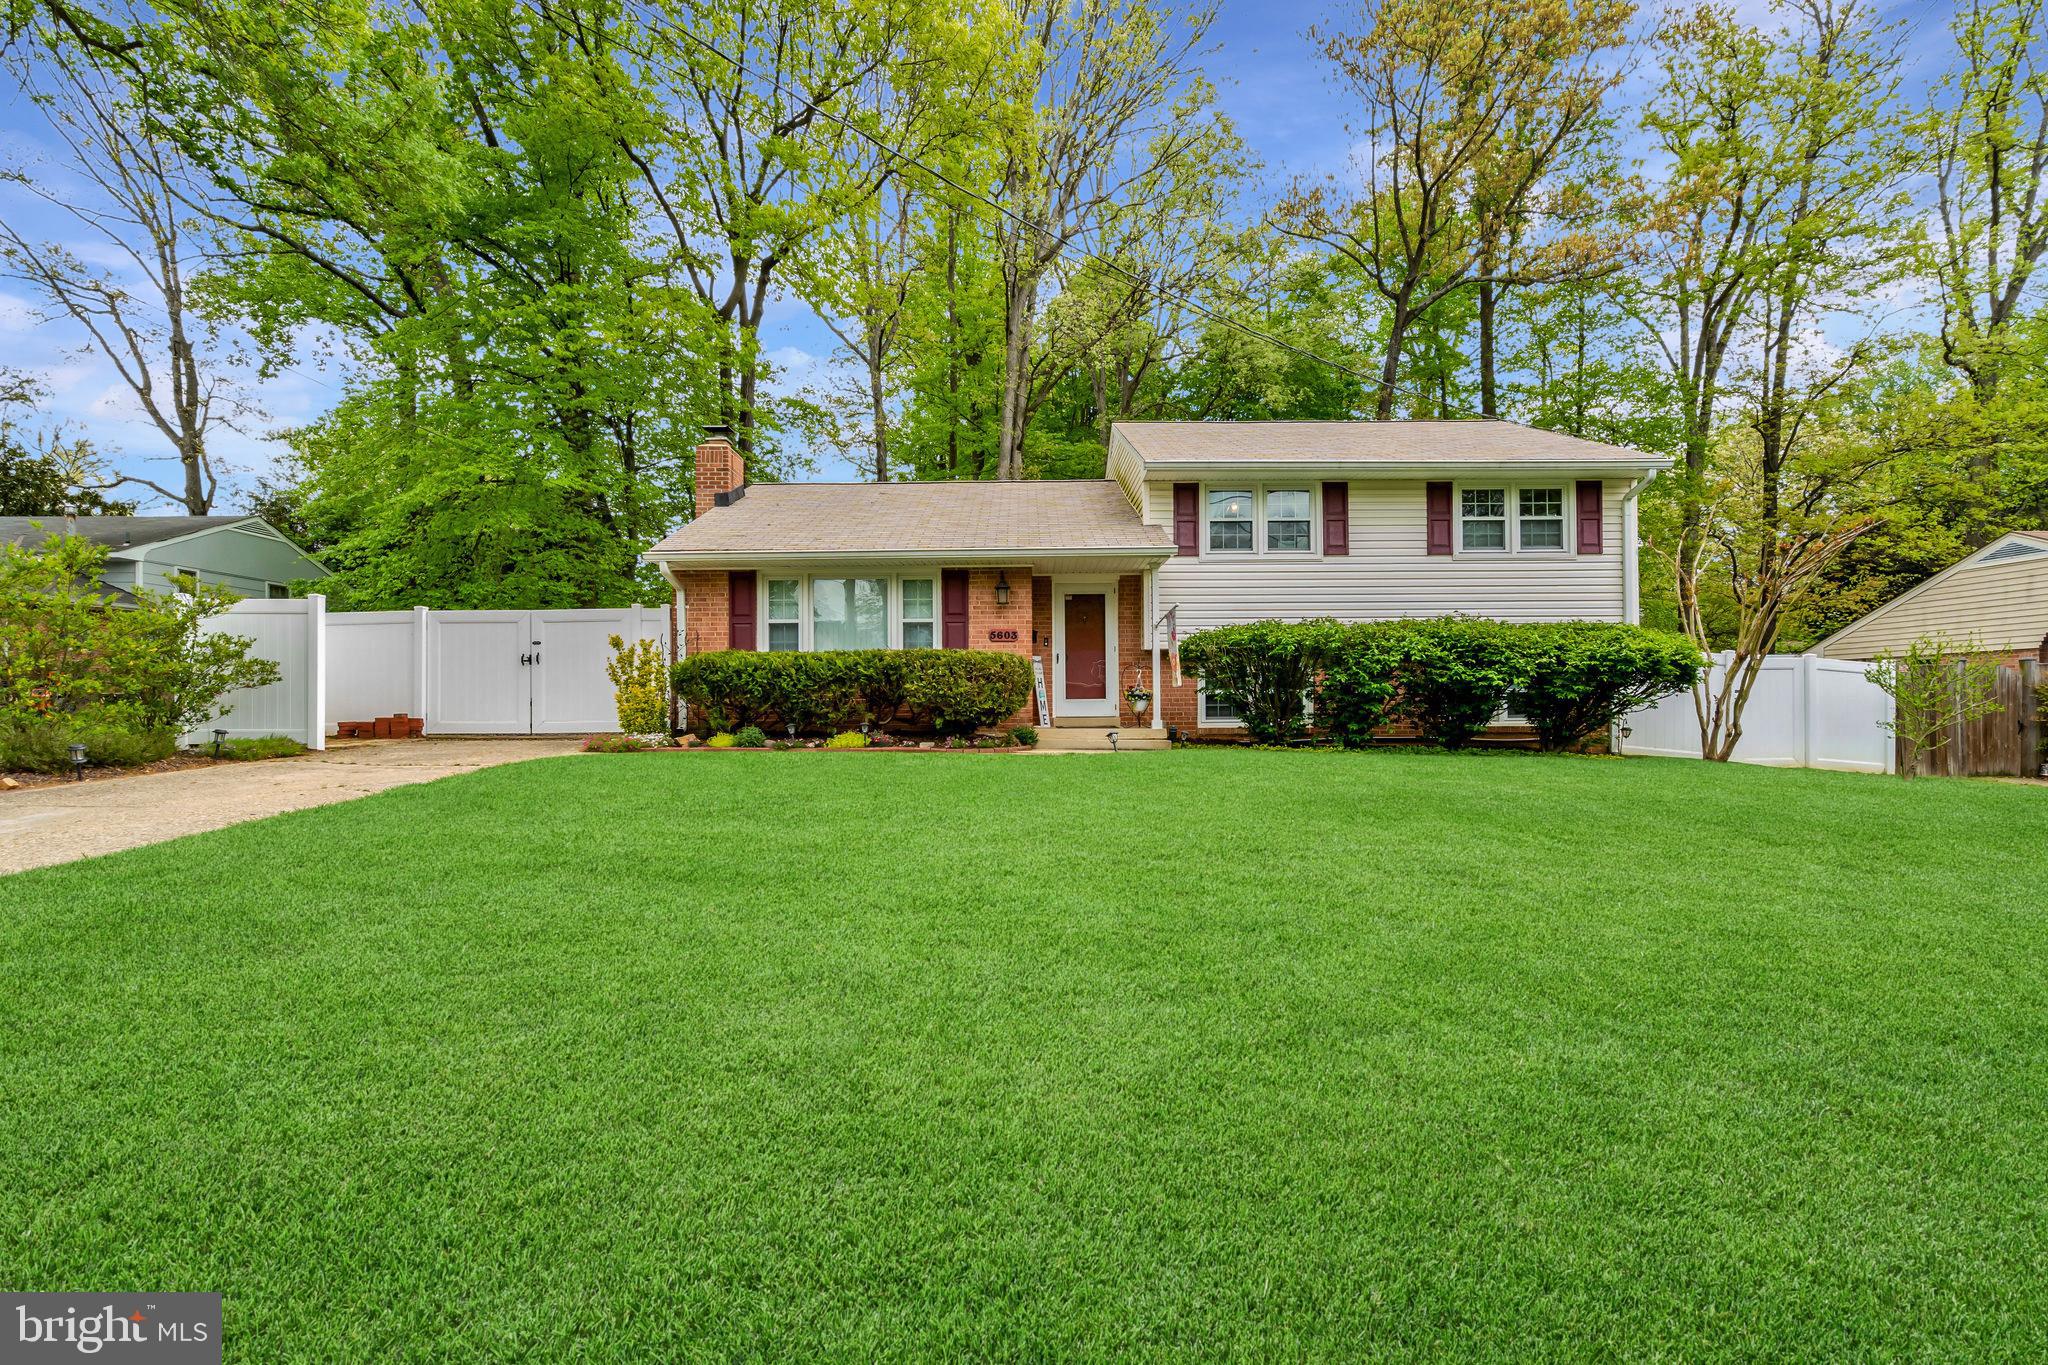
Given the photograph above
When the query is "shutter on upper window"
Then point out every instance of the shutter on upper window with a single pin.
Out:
(1187, 521)
(1438, 501)
(742, 634)
(1591, 532)
(1336, 518)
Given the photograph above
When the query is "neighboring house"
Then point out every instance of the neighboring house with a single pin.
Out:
(245, 554)
(1996, 597)
(1215, 522)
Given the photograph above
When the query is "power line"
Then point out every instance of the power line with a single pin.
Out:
(1107, 263)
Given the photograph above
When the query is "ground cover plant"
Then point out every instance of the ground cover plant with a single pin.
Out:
(1193, 1053)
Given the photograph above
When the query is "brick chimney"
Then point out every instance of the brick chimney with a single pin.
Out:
(721, 471)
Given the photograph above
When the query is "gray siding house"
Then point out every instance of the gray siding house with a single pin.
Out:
(245, 554)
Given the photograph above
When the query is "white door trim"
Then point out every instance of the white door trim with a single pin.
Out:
(1106, 706)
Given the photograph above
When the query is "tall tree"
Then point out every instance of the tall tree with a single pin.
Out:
(1104, 113)
(1466, 111)
(127, 188)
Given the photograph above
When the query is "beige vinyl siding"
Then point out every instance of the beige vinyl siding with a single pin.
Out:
(2003, 605)
(1389, 572)
(1127, 469)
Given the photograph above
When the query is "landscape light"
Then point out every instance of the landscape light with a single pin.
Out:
(78, 762)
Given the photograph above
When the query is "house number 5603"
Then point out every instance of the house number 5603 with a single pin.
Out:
(1002, 635)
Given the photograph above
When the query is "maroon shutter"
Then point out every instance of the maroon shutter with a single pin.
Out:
(1187, 522)
(954, 590)
(1439, 501)
(1336, 518)
(1589, 517)
(742, 635)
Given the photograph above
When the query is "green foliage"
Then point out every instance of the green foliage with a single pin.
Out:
(749, 737)
(1356, 690)
(958, 691)
(1935, 684)
(640, 683)
(113, 736)
(1458, 672)
(1263, 668)
(952, 691)
(260, 746)
(65, 646)
(847, 739)
(1585, 675)
(615, 744)
(720, 741)
(1024, 737)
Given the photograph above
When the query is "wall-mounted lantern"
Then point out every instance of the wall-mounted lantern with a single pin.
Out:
(1002, 589)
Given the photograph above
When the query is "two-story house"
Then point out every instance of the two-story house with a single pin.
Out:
(1199, 524)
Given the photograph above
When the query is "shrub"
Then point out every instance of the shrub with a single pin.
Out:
(1264, 669)
(724, 689)
(1585, 675)
(749, 737)
(850, 739)
(65, 647)
(1357, 689)
(639, 685)
(721, 742)
(614, 744)
(1024, 737)
(115, 737)
(1457, 673)
(262, 746)
(957, 691)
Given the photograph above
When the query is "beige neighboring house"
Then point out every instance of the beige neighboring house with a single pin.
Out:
(1997, 597)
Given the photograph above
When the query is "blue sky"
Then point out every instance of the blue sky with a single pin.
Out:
(1269, 80)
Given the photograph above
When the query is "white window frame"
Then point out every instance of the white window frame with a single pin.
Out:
(1511, 490)
(1202, 720)
(806, 636)
(1258, 489)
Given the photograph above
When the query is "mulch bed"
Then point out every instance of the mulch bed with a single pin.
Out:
(25, 781)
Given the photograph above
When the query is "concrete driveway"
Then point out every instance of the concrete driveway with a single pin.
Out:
(63, 821)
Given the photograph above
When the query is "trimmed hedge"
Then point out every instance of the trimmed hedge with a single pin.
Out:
(951, 691)
(1448, 676)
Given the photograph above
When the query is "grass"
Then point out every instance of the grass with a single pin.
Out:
(264, 746)
(1256, 1055)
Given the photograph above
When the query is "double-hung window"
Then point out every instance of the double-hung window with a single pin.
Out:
(1512, 519)
(1483, 519)
(784, 619)
(1287, 520)
(1216, 711)
(1539, 519)
(917, 614)
(1230, 519)
(849, 613)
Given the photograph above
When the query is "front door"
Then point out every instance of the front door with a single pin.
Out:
(1084, 668)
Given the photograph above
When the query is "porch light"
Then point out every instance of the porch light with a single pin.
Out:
(78, 762)
(1002, 589)
(219, 738)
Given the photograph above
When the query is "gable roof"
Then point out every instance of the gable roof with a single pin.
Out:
(1477, 441)
(118, 533)
(937, 517)
(2029, 547)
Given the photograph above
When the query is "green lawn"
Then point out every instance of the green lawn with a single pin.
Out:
(1264, 1055)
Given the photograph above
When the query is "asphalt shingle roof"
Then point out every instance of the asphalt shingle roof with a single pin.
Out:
(884, 518)
(1449, 442)
(116, 532)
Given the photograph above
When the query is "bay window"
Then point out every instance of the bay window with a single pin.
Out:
(917, 614)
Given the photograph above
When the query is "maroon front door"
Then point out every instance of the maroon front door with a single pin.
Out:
(1087, 647)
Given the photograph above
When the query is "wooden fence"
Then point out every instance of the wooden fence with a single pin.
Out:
(2005, 743)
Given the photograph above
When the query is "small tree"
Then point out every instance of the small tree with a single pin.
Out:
(1935, 685)
(640, 683)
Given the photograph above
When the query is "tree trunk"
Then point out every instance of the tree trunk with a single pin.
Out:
(1489, 405)
(1018, 315)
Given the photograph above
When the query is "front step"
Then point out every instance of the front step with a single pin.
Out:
(1070, 738)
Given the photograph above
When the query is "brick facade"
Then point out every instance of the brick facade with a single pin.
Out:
(704, 602)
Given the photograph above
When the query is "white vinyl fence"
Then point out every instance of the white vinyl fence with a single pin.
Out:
(291, 633)
(462, 672)
(1805, 712)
